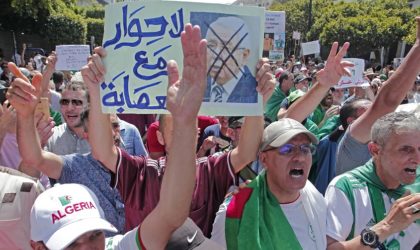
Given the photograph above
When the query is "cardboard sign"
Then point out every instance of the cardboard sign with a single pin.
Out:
(140, 37)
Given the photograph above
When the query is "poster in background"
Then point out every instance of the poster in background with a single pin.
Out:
(274, 35)
(140, 37)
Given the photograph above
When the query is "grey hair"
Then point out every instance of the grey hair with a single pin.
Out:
(393, 123)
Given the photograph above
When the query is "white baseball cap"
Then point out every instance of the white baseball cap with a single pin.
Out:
(63, 213)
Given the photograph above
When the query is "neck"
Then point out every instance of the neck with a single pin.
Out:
(78, 131)
(285, 90)
(386, 179)
(283, 196)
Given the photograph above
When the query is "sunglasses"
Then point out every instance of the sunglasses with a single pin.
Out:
(290, 149)
(74, 102)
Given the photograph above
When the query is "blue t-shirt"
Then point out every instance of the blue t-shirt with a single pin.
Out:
(84, 169)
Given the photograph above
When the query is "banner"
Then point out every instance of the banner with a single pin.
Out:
(274, 35)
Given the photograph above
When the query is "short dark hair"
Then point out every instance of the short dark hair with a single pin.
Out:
(349, 109)
(84, 119)
(76, 86)
(58, 77)
(284, 76)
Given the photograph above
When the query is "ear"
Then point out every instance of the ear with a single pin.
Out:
(160, 138)
(374, 148)
(245, 54)
(263, 158)
(350, 120)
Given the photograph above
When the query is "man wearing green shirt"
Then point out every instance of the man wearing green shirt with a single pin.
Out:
(280, 92)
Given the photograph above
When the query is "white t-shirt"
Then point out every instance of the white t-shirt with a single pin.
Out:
(340, 217)
(128, 241)
(295, 214)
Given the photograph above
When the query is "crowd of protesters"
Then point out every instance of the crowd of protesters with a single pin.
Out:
(325, 167)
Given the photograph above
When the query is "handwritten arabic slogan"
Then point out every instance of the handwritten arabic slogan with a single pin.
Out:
(140, 37)
(356, 79)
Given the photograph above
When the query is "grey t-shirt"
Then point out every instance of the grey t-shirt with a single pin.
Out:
(84, 169)
(64, 142)
(350, 153)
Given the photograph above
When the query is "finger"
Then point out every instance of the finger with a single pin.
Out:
(16, 72)
(97, 62)
(87, 74)
(343, 51)
(333, 52)
(346, 64)
(266, 83)
(173, 72)
(100, 51)
(262, 71)
(418, 27)
(37, 82)
(19, 95)
(261, 62)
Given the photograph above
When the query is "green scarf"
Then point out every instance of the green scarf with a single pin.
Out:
(255, 220)
(367, 173)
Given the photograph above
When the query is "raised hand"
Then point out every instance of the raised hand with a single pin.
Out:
(186, 94)
(335, 68)
(94, 72)
(23, 95)
(266, 80)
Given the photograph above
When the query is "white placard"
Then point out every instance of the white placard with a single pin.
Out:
(311, 48)
(356, 79)
(296, 35)
(71, 57)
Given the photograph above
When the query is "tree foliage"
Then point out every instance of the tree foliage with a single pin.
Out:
(367, 25)
(59, 21)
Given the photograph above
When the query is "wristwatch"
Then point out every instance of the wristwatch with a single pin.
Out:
(369, 238)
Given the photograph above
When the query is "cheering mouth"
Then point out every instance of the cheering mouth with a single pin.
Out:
(410, 171)
(296, 172)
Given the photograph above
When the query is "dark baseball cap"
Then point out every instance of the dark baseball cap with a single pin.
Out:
(189, 236)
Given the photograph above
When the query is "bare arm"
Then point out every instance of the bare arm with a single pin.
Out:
(46, 75)
(24, 98)
(100, 130)
(253, 127)
(183, 101)
(399, 218)
(327, 77)
(391, 94)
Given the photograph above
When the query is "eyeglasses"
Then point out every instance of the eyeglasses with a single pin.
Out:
(290, 149)
(74, 102)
